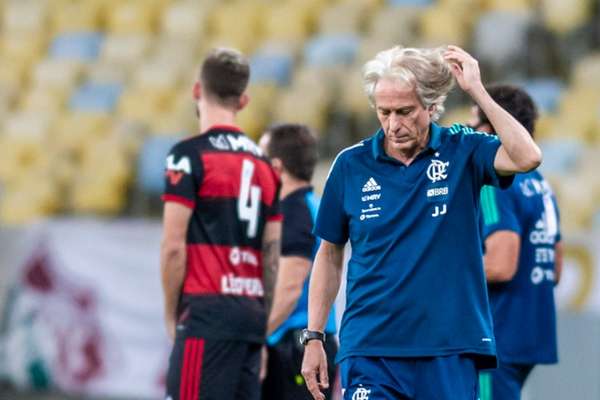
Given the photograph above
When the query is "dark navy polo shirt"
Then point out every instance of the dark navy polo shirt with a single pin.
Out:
(528, 208)
(415, 283)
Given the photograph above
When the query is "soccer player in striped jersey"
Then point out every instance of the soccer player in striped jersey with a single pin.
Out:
(523, 262)
(221, 240)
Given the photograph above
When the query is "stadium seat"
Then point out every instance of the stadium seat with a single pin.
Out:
(561, 155)
(271, 65)
(34, 125)
(13, 74)
(96, 97)
(25, 16)
(185, 19)
(564, 16)
(80, 46)
(331, 50)
(435, 29)
(106, 72)
(75, 131)
(345, 17)
(508, 5)
(411, 3)
(586, 72)
(238, 23)
(166, 75)
(30, 200)
(545, 92)
(287, 22)
(76, 16)
(499, 40)
(23, 48)
(57, 73)
(46, 99)
(352, 95)
(397, 25)
(124, 49)
(134, 16)
(139, 104)
(151, 163)
(579, 112)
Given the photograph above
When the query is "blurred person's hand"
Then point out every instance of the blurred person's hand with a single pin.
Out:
(171, 328)
(465, 69)
(264, 359)
(314, 365)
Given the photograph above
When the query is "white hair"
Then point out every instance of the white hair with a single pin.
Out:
(424, 69)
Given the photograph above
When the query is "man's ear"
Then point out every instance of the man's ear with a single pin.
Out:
(277, 165)
(244, 99)
(431, 110)
(197, 91)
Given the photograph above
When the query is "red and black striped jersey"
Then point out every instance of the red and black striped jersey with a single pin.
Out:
(233, 191)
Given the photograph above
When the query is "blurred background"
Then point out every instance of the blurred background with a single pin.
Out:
(94, 92)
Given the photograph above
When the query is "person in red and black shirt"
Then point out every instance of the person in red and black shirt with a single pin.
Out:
(221, 240)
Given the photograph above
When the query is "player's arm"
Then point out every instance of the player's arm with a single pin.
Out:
(173, 259)
(558, 261)
(518, 152)
(501, 257)
(271, 249)
(324, 285)
(291, 275)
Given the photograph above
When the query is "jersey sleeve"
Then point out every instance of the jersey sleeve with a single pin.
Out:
(183, 174)
(484, 153)
(498, 211)
(332, 220)
(297, 238)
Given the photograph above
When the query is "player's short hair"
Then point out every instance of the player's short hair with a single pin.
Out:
(224, 75)
(514, 100)
(424, 69)
(296, 147)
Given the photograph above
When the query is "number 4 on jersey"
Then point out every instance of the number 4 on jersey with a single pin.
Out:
(249, 199)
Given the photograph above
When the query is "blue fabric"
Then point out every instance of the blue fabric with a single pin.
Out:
(506, 381)
(415, 282)
(528, 208)
(331, 50)
(293, 207)
(151, 163)
(82, 46)
(271, 67)
(440, 378)
(96, 97)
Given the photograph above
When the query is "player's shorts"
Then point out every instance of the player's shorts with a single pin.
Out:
(284, 380)
(505, 382)
(424, 378)
(208, 369)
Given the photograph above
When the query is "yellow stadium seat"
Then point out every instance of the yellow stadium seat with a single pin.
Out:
(436, 30)
(25, 16)
(563, 16)
(166, 75)
(345, 17)
(586, 73)
(76, 16)
(22, 47)
(507, 5)
(76, 131)
(134, 16)
(125, 49)
(184, 52)
(105, 71)
(456, 115)
(287, 22)
(185, 19)
(579, 112)
(254, 118)
(35, 125)
(51, 100)
(353, 97)
(13, 74)
(57, 73)
(239, 24)
(29, 200)
(397, 24)
(141, 104)
(100, 186)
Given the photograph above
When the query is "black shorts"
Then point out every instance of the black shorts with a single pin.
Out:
(284, 380)
(208, 369)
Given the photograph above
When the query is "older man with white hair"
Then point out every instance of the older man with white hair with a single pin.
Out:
(417, 321)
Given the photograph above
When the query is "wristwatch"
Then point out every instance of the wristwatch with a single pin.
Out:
(307, 336)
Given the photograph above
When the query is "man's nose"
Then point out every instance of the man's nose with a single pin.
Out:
(394, 122)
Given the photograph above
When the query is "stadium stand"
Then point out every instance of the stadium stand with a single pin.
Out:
(73, 74)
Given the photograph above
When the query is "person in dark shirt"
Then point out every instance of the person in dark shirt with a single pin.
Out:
(293, 152)
(221, 240)
(523, 261)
